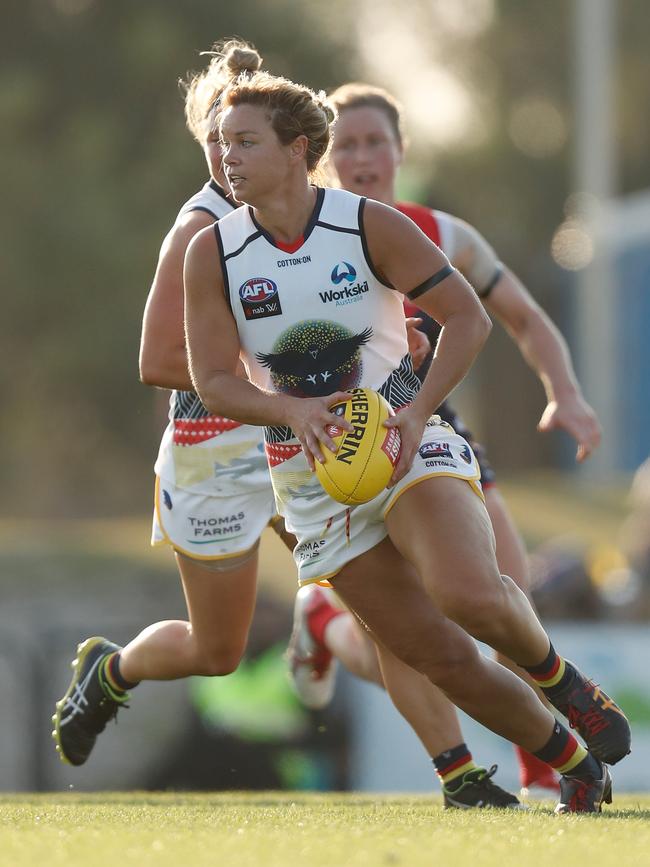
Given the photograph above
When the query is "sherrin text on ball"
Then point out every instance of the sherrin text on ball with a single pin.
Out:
(365, 457)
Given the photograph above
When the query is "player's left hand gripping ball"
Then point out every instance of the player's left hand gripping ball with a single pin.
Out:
(365, 458)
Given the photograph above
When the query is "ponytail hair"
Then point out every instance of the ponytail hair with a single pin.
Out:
(230, 60)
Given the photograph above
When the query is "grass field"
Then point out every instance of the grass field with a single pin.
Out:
(271, 829)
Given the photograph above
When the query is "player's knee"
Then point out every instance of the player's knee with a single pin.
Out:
(219, 661)
(442, 661)
(485, 611)
(421, 650)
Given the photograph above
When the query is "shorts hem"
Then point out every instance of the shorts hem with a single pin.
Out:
(322, 580)
(158, 543)
(205, 558)
(473, 482)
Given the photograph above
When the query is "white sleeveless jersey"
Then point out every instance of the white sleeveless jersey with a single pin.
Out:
(212, 199)
(311, 322)
(200, 452)
(319, 319)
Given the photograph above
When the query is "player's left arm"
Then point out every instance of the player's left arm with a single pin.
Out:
(406, 259)
(545, 350)
(537, 337)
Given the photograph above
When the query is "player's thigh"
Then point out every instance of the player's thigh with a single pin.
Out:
(385, 593)
(511, 552)
(278, 526)
(220, 597)
(442, 527)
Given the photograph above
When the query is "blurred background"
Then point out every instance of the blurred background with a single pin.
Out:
(529, 120)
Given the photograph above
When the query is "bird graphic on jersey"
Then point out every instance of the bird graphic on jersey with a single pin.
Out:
(315, 359)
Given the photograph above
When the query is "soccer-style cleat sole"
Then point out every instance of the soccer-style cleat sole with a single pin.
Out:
(449, 804)
(605, 799)
(83, 650)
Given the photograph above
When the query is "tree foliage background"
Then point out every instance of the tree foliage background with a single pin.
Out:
(96, 162)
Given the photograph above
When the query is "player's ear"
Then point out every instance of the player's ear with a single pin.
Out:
(298, 148)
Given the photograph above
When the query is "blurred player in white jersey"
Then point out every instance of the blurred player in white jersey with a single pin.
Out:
(213, 496)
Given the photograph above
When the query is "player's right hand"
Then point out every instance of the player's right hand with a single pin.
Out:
(311, 419)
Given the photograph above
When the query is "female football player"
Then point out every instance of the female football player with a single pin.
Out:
(367, 150)
(213, 499)
(417, 563)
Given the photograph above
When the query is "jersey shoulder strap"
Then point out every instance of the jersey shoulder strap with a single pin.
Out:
(340, 210)
(211, 198)
(236, 231)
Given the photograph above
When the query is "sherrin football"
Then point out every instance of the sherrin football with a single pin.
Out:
(364, 460)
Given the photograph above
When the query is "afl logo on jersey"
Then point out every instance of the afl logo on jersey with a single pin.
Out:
(343, 271)
(259, 298)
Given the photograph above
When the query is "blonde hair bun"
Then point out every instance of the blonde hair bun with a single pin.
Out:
(240, 60)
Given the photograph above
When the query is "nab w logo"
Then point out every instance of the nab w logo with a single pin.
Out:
(343, 271)
(259, 298)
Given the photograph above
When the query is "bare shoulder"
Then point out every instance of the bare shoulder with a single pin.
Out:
(202, 242)
(381, 220)
(187, 226)
(402, 255)
(390, 232)
(202, 262)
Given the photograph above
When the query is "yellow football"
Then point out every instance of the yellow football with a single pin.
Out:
(364, 460)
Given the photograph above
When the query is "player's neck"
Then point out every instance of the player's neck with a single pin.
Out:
(285, 217)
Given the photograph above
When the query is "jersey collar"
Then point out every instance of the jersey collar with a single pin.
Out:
(297, 244)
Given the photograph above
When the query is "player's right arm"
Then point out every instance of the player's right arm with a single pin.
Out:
(163, 358)
(213, 352)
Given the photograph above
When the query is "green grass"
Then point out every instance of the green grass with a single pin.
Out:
(272, 829)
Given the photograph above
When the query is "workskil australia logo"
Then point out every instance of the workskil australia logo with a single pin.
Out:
(343, 271)
(347, 294)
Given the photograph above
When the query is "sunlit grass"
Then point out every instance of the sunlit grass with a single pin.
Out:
(308, 830)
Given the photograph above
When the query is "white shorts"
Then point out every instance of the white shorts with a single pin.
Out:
(330, 535)
(214, 456)
(213, 493)
(209, 528)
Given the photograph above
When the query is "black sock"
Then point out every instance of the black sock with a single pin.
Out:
(452, 765)
(113, 675)
(552, 675)
(588, 769)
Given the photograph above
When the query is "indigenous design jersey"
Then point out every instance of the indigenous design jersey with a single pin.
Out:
(312, 320)
(226, 458)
